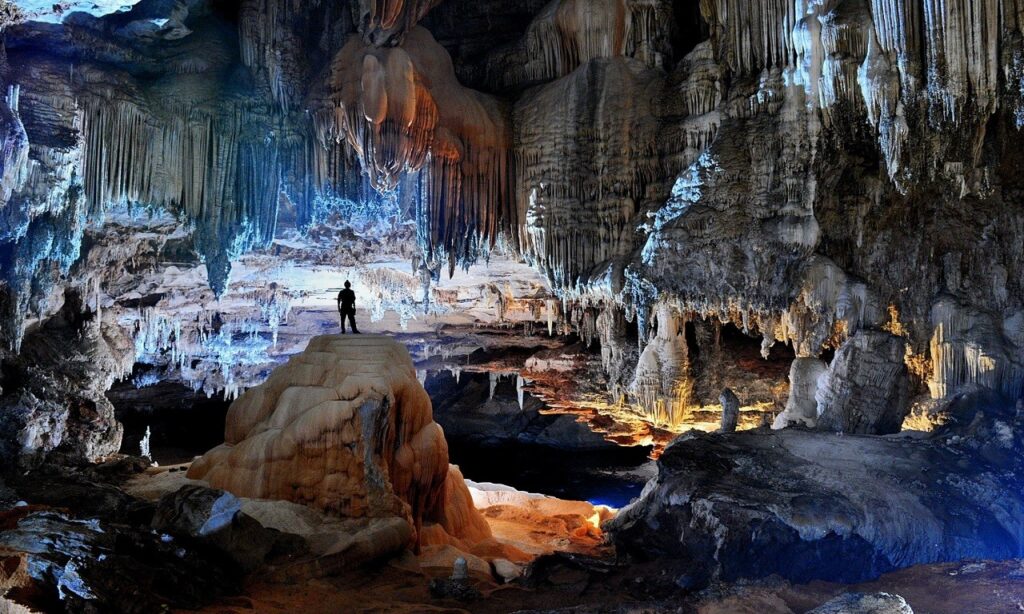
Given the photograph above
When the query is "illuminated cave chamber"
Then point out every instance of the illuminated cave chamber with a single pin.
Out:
(602, 229)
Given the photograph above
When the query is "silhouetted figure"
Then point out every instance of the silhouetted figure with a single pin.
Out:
(347, 308)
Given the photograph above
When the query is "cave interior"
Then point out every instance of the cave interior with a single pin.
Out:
(710, 306)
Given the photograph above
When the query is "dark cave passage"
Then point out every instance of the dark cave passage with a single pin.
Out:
(494, 438)
(183, 423)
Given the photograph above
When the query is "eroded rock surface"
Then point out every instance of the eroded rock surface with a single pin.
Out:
(865, 389)
(839, 507)
(55, 563)
(52, 402)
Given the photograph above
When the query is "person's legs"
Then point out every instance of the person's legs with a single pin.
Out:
(352, 322)
(341, 315)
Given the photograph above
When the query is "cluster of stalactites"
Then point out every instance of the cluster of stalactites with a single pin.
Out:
(586, 150)
(386, 22)
(13, 145)
(402, 112)
(970, 348)
(42, 216)
(568, 34)
(949, 62)
(199, 165)
(753, 35)
(268, 42)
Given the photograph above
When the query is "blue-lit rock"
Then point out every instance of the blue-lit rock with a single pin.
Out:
(843, 508)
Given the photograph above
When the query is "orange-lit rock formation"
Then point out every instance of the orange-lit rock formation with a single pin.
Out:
(344, 427)
(401, 110)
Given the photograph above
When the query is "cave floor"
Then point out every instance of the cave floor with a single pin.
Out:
(983, 587)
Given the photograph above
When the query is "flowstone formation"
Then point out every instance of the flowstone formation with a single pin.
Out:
(344, 427)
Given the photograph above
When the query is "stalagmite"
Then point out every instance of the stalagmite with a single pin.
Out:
(662, 384)
(801, 406)
(730, 411)
(144, 450)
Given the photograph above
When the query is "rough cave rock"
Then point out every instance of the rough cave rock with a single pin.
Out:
(836, 507)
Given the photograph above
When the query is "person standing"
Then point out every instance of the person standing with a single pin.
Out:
(347, 308)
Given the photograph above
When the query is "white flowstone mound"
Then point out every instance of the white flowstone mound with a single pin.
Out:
(345, 427)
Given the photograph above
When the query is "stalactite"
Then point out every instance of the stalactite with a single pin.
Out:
(753, 35)
(585, 154)
(567, 34)
(389, 290)
(204, 166)
(50, 244)
(649, 34)
(897, 25)
(271, 36)
(386, 22)
(880, 88)
(13, 146)
(402, 111)
(970, 349)
(963, 56)
(845, 32)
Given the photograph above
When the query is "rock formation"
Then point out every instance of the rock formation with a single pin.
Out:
(842, 508)
(801, 407)
(53, 406)
(730, 411)
(344, 427)
(402, 111)
(864, 390)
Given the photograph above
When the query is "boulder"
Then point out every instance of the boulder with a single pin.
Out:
(808, 505)
(866, 388)
(506, 570)
(216, 518)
